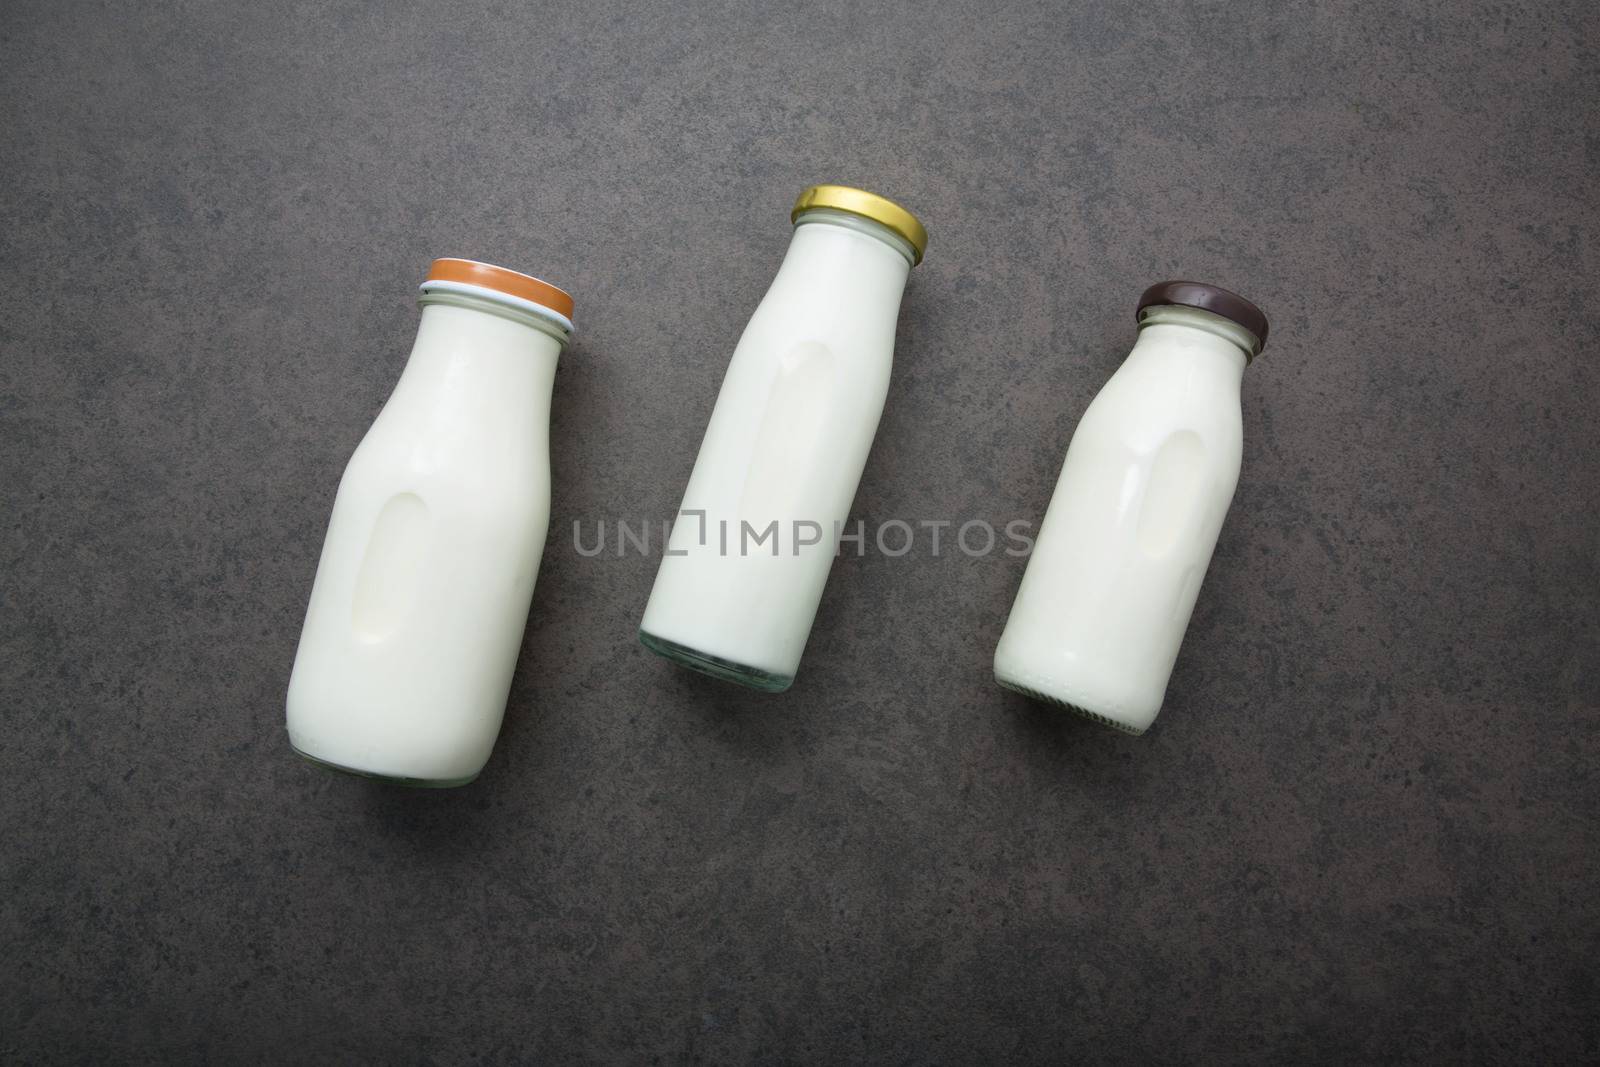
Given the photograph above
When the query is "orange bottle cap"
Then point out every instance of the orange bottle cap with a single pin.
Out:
(501, 280)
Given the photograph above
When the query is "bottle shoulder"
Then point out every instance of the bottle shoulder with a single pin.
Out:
(782, 319)
(1141, 392)
(400, 453)
(781, 342)
(1139, 413)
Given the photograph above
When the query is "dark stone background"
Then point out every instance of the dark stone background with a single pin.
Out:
(1365, 826)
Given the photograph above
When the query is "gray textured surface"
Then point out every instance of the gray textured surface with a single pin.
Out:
(1365, 826)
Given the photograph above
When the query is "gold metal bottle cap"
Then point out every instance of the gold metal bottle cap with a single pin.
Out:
(868, 206)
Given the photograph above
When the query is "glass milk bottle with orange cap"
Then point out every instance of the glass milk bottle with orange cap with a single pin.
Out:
(744, 569)
(427, 573)
(1149, 474)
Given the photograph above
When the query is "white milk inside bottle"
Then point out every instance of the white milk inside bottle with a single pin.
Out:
(753, 541)
(1129, 532)
(427, 572)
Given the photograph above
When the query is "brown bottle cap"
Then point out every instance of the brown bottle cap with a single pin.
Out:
(1218, 301)
(501, 280)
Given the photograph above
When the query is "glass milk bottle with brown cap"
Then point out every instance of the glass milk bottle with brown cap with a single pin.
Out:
(1113, 576)
(755, 537)
(427, 573)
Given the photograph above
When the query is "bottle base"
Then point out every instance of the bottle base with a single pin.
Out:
(1076, 709)
(716, 666)
(391, 779)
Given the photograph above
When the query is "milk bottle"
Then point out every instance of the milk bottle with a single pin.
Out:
(427, 572)
(743, 573)
(1117, 565)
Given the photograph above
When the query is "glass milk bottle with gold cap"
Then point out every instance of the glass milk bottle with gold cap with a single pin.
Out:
(1113, 577)
(755, 537)
(420, 599)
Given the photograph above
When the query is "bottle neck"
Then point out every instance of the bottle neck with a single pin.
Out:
(480, 360)
(467, 297)
(846, 220)
(1197, 339)
(846, 262)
